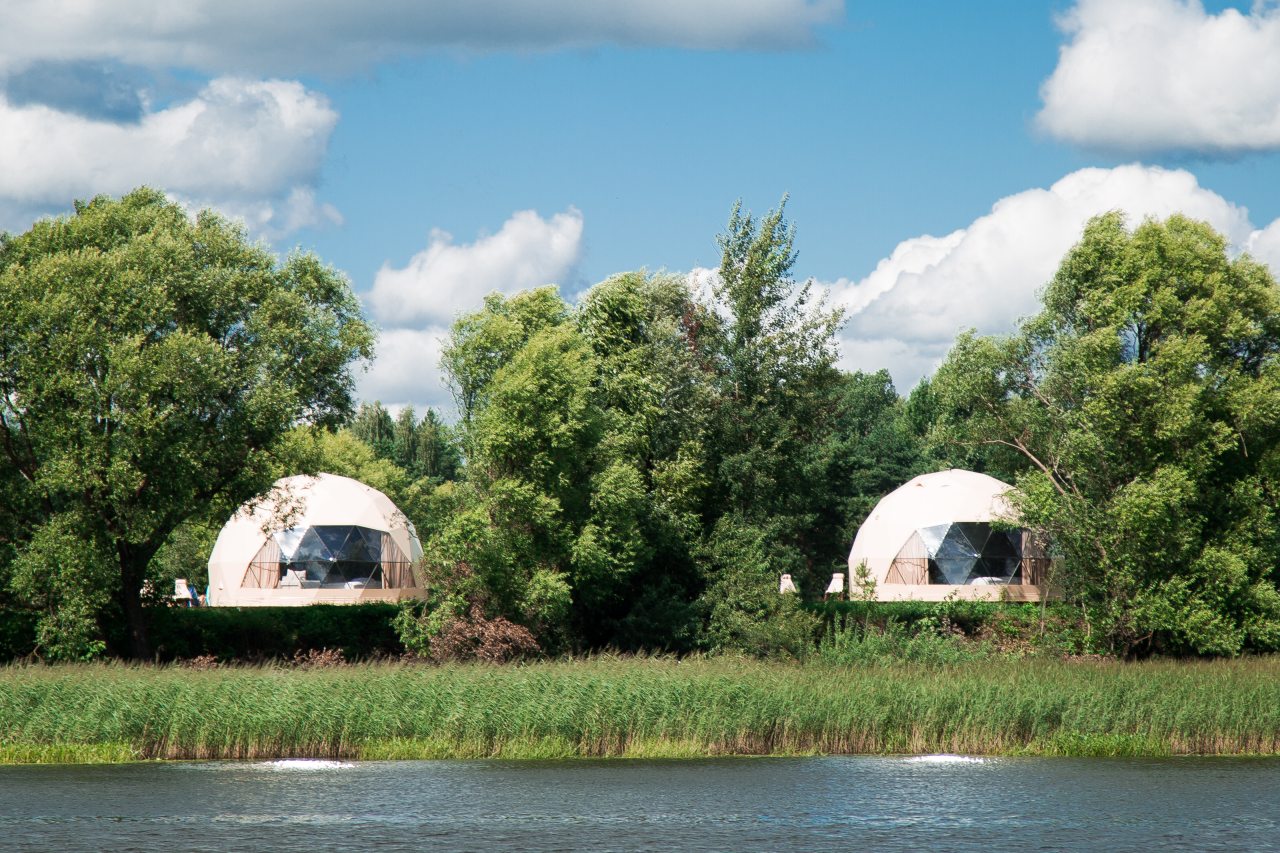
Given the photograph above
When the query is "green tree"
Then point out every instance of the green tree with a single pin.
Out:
(938, 449)
(374, 426)
(584, 479)
(506, 549)
(777, 401)
(643, 466)
(436, 445)
(656, 393)
(404, 440)
(1142, 400)
(482, 342)
(871, 447)
(149, 364)
(426, 448)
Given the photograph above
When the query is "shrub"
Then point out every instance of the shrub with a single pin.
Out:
(17, 633)
(896, 643)
(477, 637)
(356, 631)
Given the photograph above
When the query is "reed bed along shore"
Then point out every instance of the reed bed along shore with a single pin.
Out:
(639, 707)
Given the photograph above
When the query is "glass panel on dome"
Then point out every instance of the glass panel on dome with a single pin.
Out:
(360, 576)
(291, 576)
(966, 552)
(951, 570)
(288, 541)
(1000, 546)
(340, 574)
(956, 545)
(1000, 559)
(315, 571)
(334, 538)
(356, 548)
(311, 547)
(1009, 553)
(1008, 571)
(372, 544)
(333, 556)
(933, 536)
(977, 532)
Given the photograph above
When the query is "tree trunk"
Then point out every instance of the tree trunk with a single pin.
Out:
(133, 565)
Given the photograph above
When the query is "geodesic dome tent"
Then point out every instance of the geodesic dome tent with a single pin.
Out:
(320, 539)
(941, 534)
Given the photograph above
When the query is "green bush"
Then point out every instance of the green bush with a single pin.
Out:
(895, 644)
(967, 616)
(1007, 627)
(17, 633)
(360, 631)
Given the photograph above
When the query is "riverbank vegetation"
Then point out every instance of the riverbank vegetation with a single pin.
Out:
(845, 632)
(639, 707)
(634, 470)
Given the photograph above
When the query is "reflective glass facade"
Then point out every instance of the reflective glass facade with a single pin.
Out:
(330, 557)
(967, 551)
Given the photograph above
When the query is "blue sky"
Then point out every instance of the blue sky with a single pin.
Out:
(939, 156)
(872, 131)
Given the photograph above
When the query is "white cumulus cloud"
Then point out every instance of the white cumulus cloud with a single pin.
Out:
(1264, 245)
(446, 278)
(416, 304)
(250, 148)
(292, 36)
(905, 314)
(406, 370)
(1165, 75)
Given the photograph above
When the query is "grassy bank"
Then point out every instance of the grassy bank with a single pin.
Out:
(638, 707)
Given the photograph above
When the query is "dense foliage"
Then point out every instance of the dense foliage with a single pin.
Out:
(250, 634)
(1143, 403)
(634, 470)
(642, 466)
(423, 449)
(149, 365)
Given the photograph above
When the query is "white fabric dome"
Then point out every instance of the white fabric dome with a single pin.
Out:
(934, 499)
(294, 506)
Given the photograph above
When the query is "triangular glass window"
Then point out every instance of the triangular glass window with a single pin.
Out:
(954, 570)
(337, 556)
(312, 547)
(976, 532)
(956, 544)
(334, 537)
(932, 537)
(357, 548)
(288, 541)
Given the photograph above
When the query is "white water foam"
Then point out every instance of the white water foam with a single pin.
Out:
(944, 758)
(308, 764)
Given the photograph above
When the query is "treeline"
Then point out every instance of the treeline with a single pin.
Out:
(633, 471)
(424, 449)
(641, 467)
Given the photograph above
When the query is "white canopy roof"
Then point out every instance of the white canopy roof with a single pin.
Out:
(930, 499)
(302, 501)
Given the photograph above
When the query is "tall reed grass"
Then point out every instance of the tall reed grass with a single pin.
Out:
(643, 707)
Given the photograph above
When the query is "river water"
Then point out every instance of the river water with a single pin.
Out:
(839, 803)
